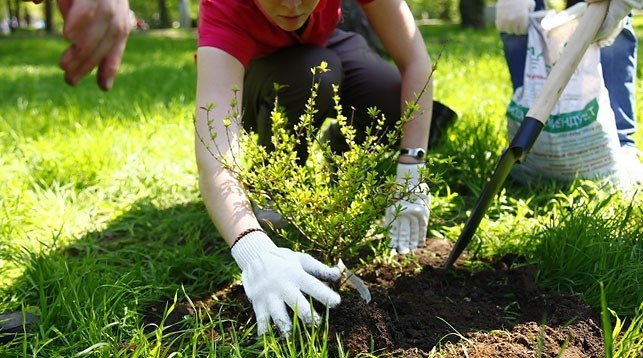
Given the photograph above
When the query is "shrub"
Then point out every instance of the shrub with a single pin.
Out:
(331, 201)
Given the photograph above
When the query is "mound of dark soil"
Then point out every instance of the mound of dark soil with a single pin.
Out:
(498, 312)
(418, 307)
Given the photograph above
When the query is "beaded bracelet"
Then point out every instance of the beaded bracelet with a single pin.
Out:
(244, 233)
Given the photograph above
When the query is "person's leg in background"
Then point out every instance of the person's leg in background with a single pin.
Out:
(291, 69)
(515, 49)
(619, 72)
(369, 81)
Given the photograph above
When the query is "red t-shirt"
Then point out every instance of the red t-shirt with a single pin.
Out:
(240, 28)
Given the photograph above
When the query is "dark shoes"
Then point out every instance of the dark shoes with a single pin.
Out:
(268, 218)
(442, 119)
(15, 323)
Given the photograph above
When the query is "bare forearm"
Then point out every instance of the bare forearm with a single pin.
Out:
(226, 203)
(393, 22)
(416, 82)
(223, 195)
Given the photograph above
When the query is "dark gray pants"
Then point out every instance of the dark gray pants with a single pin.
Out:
(364, 78)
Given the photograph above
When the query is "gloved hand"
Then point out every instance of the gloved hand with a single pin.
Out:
(512, 16)
(615, 19)
(408, 229)
(274, 277)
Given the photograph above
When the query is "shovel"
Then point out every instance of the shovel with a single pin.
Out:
(535, 119)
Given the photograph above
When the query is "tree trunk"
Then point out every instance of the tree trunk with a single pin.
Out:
(49, 17)
(184, 13)
(164, 18)
(5, 17)
(472, 13)
(14, 15)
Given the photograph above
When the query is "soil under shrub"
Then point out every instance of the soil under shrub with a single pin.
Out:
(417, 306)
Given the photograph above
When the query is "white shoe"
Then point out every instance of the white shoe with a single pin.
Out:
(268, 218)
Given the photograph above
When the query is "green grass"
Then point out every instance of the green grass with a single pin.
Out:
(101, 218)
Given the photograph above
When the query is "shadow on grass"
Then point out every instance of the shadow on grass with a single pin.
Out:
(145, 256)
(132, 272)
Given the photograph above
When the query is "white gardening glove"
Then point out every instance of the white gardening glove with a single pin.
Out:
(274, 277)
(408, 229)
(615, 19)
(512, 16)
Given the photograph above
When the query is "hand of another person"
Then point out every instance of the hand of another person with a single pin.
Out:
(274, 277)
(512, 16)
(97, 32)
(408, 228)
(615, 19)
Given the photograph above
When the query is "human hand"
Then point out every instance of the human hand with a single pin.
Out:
(274, 277)
(614, 19)
(97, 31)
(512, 16)
(409, 224)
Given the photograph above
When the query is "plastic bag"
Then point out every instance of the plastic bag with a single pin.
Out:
(579, 139)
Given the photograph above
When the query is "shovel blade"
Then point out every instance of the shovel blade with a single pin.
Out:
(516, 152)
(536, 118)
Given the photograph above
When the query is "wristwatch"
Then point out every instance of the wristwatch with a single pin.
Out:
(417, 153)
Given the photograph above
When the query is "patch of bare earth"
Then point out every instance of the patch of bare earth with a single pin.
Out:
(418, 307)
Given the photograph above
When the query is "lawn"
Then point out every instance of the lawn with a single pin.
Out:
(103, 234)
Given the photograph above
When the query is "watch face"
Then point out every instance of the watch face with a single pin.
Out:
(413, 152)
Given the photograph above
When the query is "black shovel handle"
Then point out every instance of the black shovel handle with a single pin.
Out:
(535, 119)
